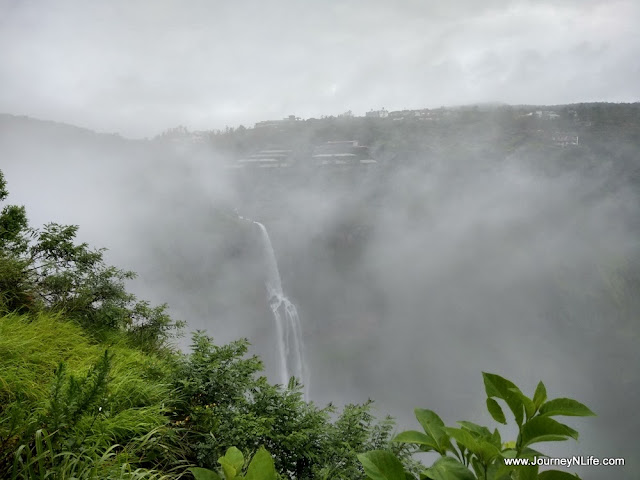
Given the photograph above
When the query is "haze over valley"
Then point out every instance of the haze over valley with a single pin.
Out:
(386, 202)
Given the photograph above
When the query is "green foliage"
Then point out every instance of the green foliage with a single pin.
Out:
(477, 453)
(354, 431)
(381, 465)
(100, 409)
(45, 461)
(446, 468)
(225, 404)
(16, 291)
(14, 228)
(72, 397)
(140, 412)
(261, 467)
(200, 473)
(232, 463)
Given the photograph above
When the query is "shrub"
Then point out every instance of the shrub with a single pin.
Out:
(473, 452)
(224, 404)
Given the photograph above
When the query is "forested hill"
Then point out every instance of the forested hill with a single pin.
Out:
(497, 131)
(483, 129)
(47, 129)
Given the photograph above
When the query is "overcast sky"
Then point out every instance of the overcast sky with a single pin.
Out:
(139, 67)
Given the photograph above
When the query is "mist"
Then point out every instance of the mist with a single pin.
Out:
(411, 277)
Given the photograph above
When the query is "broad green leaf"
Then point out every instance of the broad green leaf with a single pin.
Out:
(529, 406)
(448, 468)
(413, 436)
(540, 395)
(481, 447)
(556, 475)
(382, 465)
(433, 426)
(474, 427)
(499, 387)
(545, 429)
(204, 474)
(495, 384)
(463, 438)
(565, 406)
(496, 411)
(430, 421)
(235, 458)
(487, 451)
(261, 467)
(229, 470)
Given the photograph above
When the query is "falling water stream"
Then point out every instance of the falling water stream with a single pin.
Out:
(286, 317)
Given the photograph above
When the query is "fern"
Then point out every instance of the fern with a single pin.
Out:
(73, 397)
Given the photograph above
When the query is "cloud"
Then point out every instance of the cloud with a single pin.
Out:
(141, 67)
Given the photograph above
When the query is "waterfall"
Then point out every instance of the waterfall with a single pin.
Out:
(287, 320)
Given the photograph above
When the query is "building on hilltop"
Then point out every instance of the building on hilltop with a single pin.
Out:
(377, 113)
(268, 158)
(543, 114)
(560, 139)
(422, 114)
(344, 152)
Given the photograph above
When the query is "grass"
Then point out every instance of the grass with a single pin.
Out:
(127, 428)
(87, 464)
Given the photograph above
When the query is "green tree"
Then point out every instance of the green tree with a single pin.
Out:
(16, 293)
(224, 403)
(48, 269)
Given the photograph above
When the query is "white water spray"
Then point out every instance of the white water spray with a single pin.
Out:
(286, 317)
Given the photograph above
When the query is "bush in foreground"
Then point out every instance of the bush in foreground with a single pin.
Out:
(473, 452)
